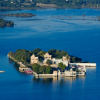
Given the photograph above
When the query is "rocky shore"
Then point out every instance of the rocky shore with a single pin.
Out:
(5, 23)
(20, 15)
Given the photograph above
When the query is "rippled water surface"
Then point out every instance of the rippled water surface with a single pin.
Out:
(63, 29)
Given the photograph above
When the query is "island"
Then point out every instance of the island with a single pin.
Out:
(5, 23)
(20, 15)
(51, 63)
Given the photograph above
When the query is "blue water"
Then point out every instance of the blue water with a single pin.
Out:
(51, 29)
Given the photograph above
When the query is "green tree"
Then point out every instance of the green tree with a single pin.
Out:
(73, 59)
(48, 62)
(48, 70)
(42, 69)
(52, 52)
(35, 51)
(62, 66)
(36, 67)
(11, 54)
(41, 55)
(76, 59)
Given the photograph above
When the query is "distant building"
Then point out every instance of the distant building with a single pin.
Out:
(47, 56)
(65, 58)
(33, 59)
(57, 61)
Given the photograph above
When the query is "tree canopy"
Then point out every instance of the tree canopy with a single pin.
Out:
(75, 59)
(24, 55)
(48, 70)
(62, 66)
(5, 23)
(48, 62)
(57, 53)
(36, 68)
(41, 69)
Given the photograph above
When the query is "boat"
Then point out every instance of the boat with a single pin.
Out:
(2, 71)
(29, 71)
(80, 73)
(81, 68)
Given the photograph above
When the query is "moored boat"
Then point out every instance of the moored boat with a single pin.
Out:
(28, 71)
(2, 71)
(80, 73)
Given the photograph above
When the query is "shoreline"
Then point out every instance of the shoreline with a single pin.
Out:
(37, 8)
(75, 68)
(22, 66)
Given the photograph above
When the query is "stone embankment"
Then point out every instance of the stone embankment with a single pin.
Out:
(23, 67)
(20, 63)
(84, 64)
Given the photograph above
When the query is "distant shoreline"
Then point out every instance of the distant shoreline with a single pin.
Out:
(44, 7)
(19, 15)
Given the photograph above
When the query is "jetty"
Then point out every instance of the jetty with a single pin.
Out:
(83, 64)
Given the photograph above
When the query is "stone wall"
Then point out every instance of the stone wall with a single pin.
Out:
(84, 64)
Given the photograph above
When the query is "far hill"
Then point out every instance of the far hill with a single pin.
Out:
(36, 4)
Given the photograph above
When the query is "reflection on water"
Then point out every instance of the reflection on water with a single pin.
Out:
(43, 80)
(10, 61)
(91, 68)
(60, 80)
(14, 64)
(47, 80)
(31, 19)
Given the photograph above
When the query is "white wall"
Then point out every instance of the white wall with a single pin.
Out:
(85, 64)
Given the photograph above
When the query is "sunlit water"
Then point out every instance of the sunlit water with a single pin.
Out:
(51, 29)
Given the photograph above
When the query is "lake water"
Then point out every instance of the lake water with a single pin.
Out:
(64, 29)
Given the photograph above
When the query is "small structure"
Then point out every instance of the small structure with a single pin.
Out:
(33, 59)
(70, 73)
(55, 72)
(67, 73)
(57, 61)
(80, 73)
(80, 70)
(47, 56)
(23, 69)
(64, 58)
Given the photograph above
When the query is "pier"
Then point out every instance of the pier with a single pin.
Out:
(83, 64)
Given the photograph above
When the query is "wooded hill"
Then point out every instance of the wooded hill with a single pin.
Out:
(61, 3)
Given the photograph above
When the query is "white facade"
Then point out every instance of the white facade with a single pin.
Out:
(33, 59)
(57, 61)
(47, 56)
(84, 64)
